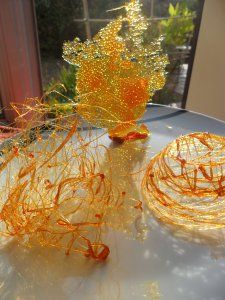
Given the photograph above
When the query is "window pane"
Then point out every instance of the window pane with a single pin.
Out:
(177, 44)
(98, 8)
(55, 21)
(146, 7)
(177, 29)
(96, 26)
(161, 7)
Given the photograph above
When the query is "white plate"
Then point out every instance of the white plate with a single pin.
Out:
(183, 268)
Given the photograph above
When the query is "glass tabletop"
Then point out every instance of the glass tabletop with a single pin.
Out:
(169, 264)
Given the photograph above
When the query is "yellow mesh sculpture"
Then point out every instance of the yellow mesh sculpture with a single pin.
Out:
(118, 74)
(185, 183)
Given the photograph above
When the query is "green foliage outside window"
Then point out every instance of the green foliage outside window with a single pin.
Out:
(62, 90)
(178, 28)
(55, 20)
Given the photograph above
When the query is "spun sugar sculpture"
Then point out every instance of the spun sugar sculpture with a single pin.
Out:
(54, 192)
(118, 73)
(185, 183)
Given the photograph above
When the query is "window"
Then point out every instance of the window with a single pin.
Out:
(63, 20)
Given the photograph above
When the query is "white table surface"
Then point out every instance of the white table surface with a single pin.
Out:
(185, 268)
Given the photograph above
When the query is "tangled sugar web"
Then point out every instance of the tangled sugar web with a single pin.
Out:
(184, 184)
(57, 187)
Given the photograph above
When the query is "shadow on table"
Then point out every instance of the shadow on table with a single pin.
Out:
(214, 239)
(41, 273)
